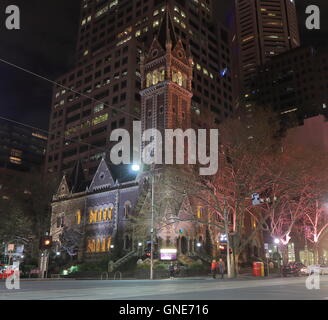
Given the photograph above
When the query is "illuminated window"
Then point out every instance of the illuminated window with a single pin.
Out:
(162, 75)
(180, 79)
(91, 247)
(98, 246)
(155, 77)
(99, 215)
(155, 24)
(148, 80)
(92, 216)
(100, 119)
(103, 245)
(199, 212)
(78, 217)
(98, 108)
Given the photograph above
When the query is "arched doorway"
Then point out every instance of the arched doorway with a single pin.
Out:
(184, 245)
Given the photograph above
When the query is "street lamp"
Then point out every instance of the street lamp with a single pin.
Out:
(276, 241)
(135, 167)
(198, 245)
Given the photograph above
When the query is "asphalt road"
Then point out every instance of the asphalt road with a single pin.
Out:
(184, 289)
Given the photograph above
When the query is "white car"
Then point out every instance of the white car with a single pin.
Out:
(316, 268)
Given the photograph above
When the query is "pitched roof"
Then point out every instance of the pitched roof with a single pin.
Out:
(103, 177)
(76, 181)
(166, 31)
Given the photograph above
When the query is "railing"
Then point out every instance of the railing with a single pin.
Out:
(104, 273)
(118, 272)
(123, 259)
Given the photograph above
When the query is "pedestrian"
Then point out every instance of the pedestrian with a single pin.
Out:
(171, 270)
(213, 269)
(221, 267)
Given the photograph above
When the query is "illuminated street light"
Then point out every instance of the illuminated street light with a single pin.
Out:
(198, 244)
(112, 246)
(276, 241)
(58, 253)
(140, 244)
(135, 167)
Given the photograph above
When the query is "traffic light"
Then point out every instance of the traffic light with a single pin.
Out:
(223, 249)
(45, 243)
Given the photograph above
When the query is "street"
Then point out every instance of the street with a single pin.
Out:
(177, 289)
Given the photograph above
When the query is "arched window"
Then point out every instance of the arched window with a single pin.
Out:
(127, 209)
(100, 213)
(155, 77)
(162, 75)
(174, 76)
(103, 245)
(148, 80)
(92, 216)
(98, 247)
(180, 80)
(78, 217)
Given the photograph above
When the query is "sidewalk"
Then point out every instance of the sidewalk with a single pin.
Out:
(246, 276)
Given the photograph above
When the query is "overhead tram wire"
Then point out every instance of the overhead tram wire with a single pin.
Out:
(69, 89)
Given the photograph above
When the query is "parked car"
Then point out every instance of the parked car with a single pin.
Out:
(293, 268)
(5, 272)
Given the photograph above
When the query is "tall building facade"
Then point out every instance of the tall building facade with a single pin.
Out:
(102, 92)
(21, 149)
(264, 28)
(294, 84)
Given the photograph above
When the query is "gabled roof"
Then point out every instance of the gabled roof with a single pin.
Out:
(76, 181)
(63, 189)
(103, 177)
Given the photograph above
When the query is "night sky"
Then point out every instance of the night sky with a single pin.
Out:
(46, 45)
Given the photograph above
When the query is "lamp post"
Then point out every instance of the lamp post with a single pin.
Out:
(136, 168)
(152, 230)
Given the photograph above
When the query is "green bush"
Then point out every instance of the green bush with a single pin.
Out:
(143, 266)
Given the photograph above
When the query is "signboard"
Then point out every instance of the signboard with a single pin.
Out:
(11, 247)
(168, 254)
(20, 249)
(256, 199)
(266, 246)
(223, 238)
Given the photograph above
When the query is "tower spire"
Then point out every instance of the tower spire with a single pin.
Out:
(166, 33)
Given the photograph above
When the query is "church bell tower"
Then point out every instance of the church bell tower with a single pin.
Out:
(166, 81)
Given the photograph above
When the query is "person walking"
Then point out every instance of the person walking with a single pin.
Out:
(171, 270)
(213, 269)
(221, 267)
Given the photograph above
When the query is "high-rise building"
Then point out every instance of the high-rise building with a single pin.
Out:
(294, 84)
(101, 93)
(265, 28)
(22, 149)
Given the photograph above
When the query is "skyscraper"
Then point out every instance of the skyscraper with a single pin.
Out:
(265, 28)
(101, 93)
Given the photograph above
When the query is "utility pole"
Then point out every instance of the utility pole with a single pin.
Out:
(152, 229)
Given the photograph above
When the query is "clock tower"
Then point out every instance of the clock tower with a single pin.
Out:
(166, 81)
